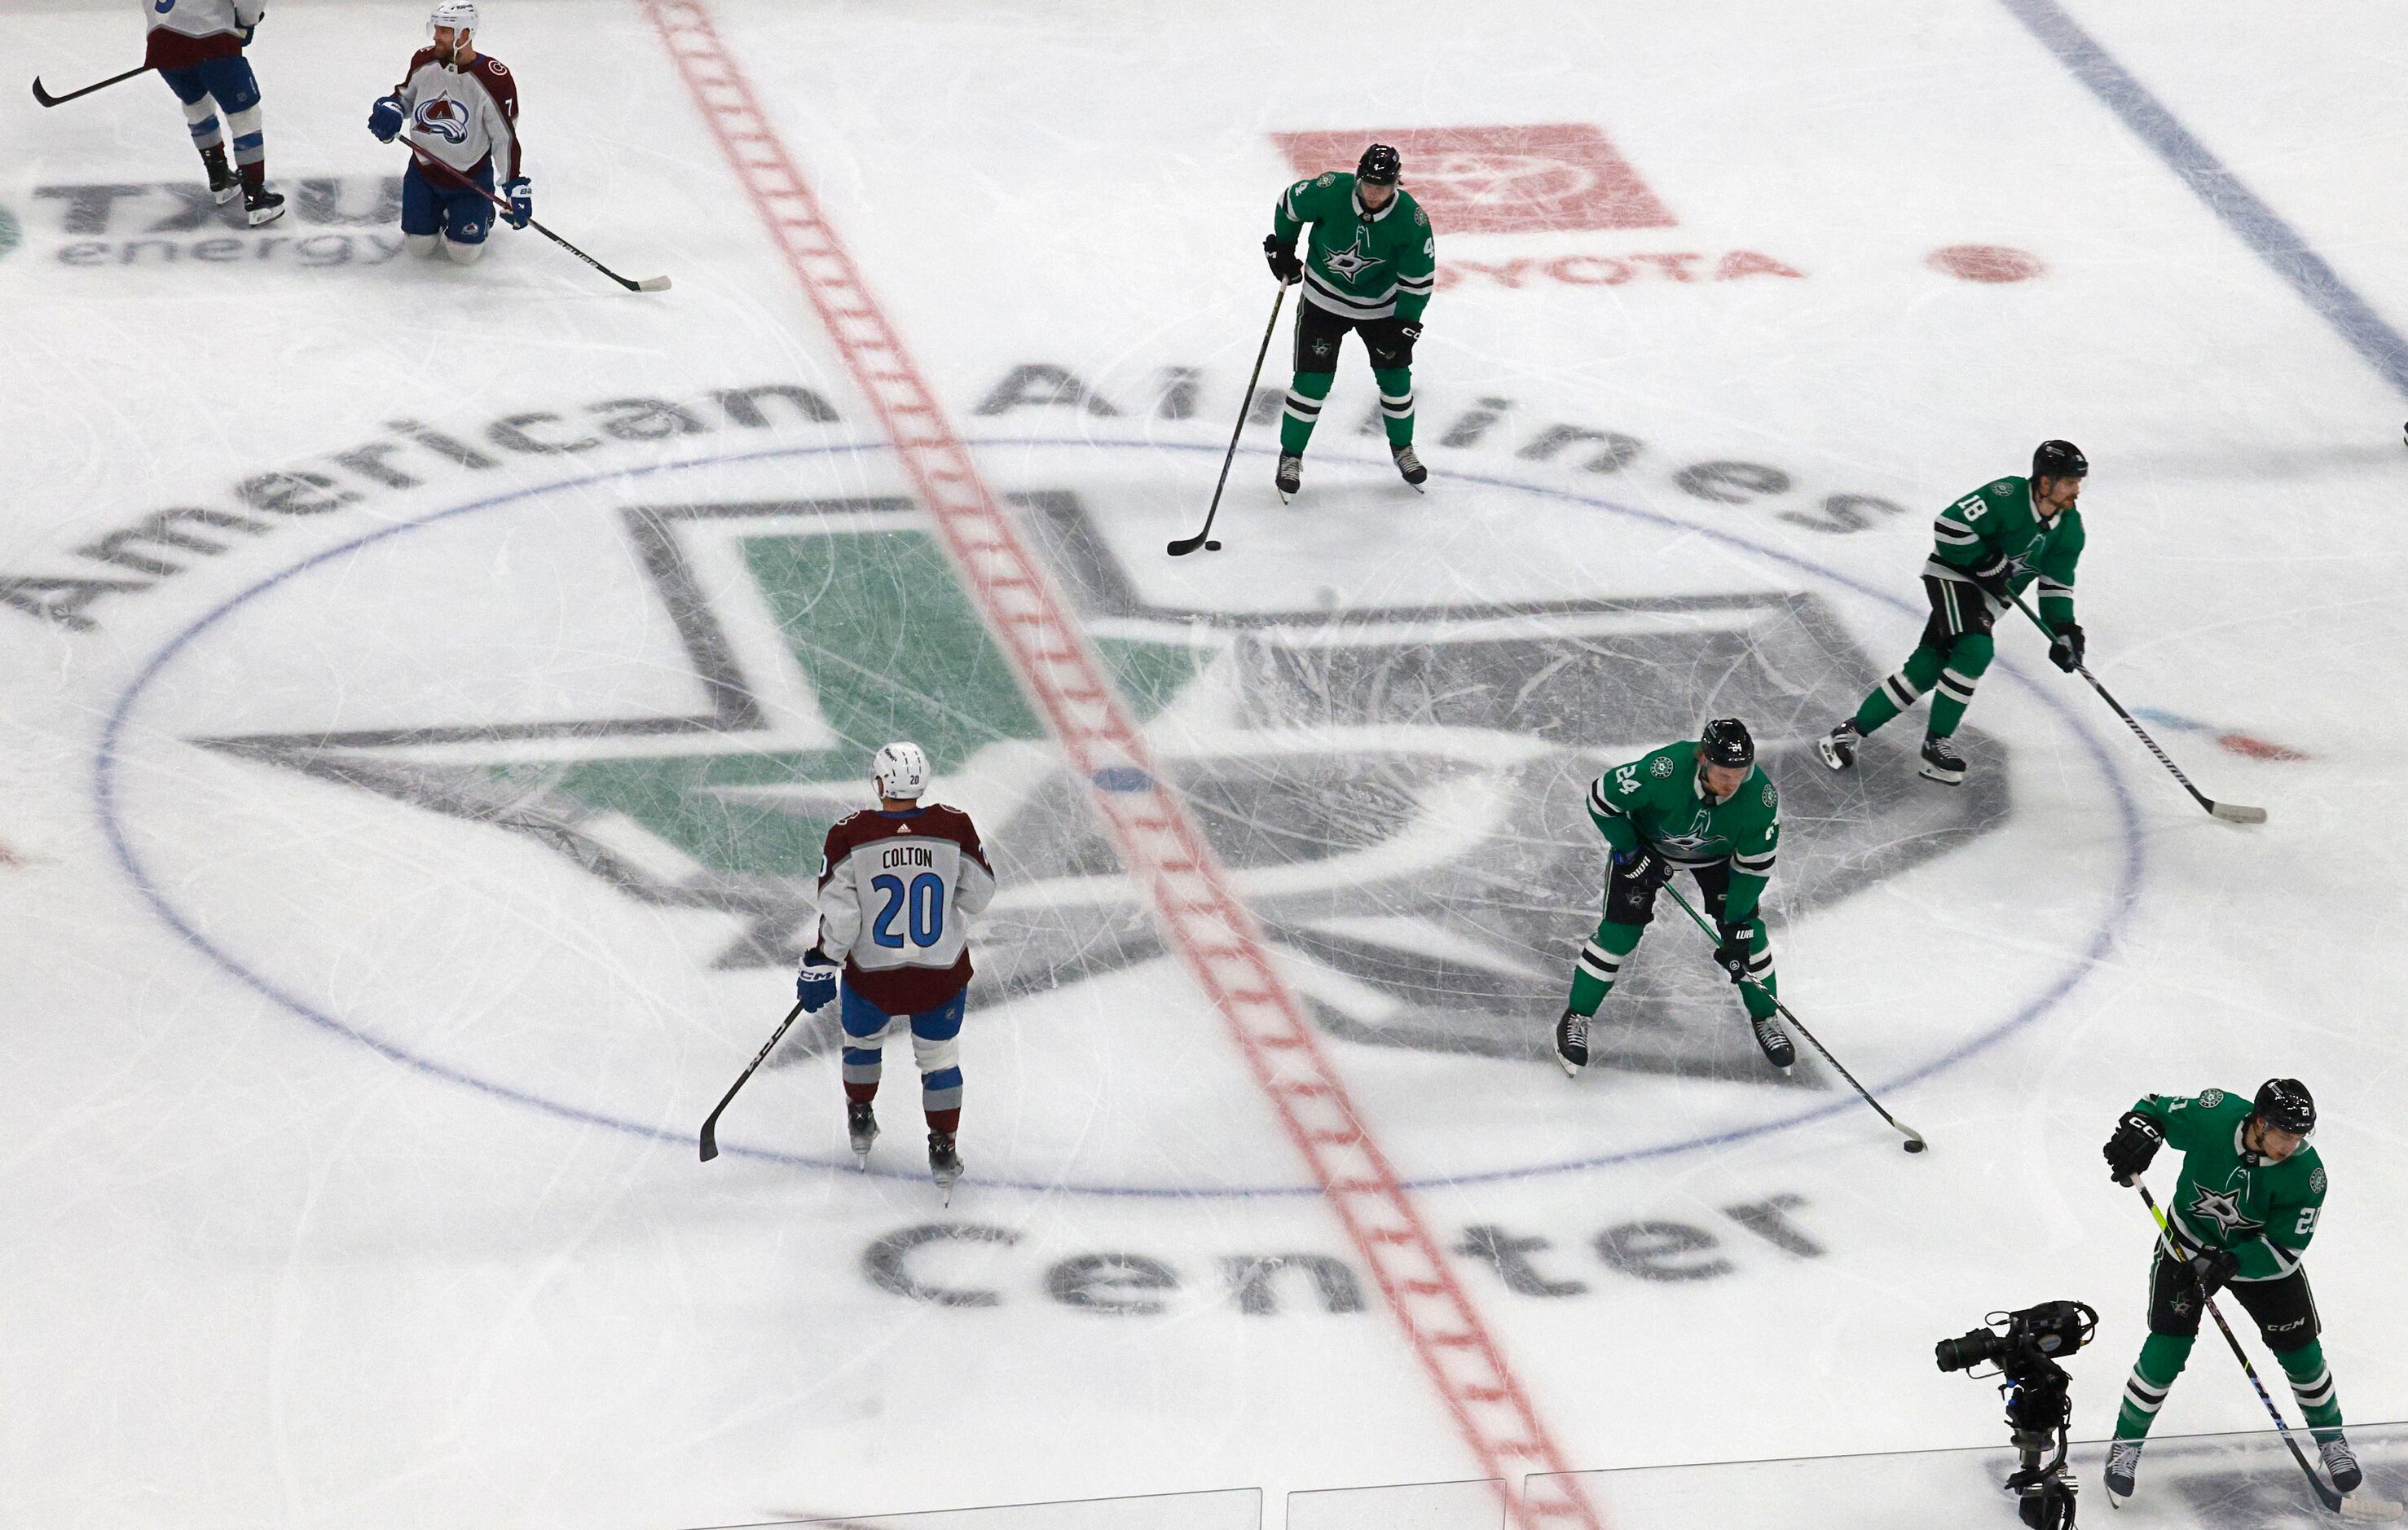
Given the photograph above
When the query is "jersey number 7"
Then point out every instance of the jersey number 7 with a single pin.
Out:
(924, 899)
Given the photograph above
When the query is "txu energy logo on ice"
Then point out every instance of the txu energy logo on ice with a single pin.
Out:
(1398, 793)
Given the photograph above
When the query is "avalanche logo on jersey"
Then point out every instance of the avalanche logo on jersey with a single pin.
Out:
(2223, 1208)
(442, 117)
(1351, 263)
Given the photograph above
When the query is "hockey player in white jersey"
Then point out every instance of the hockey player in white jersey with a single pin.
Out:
(197, 45)
(898, 886)
(460, 110)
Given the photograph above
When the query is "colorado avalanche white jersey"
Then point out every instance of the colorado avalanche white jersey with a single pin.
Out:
(463, 116)
(185, 31)
(896, 894)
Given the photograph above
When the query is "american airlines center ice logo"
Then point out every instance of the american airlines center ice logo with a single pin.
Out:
(1531, 178)
(9, 233)
(1398, 792)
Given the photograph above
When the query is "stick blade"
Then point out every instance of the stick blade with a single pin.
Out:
(711, 1140)
(42, 95)
(1181, 546)
(2233, 812)
(653, 284)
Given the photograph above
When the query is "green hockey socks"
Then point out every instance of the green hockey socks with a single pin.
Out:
(1951, 678)
(2162, 1361)
(1396, 403)
(1304, 399)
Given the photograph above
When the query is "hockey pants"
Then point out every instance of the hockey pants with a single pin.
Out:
(1956, 648)
(1319, 336)
(935, 1046)
(2285, 1312)
(1628, 905)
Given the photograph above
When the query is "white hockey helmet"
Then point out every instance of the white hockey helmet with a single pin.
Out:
(459, 15)
(901, 771)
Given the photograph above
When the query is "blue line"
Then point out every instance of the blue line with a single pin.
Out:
(105, 792)
(2240, 209)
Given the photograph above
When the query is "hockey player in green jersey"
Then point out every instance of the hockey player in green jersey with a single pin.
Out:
(2241, 1214)
(1703, 807)
(1989, 545)
(1369, 264)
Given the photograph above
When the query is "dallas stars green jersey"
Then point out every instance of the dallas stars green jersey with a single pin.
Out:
(1659, 799)
(1998, 519)
(2227, 1197)
(1359, 264)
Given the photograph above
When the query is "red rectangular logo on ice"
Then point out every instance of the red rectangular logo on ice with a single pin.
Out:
(1540, 177)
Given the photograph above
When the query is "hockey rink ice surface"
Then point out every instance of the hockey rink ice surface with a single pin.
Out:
(426, 690)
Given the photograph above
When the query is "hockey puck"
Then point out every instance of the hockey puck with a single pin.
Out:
(1212, 547)
(1912, 1144)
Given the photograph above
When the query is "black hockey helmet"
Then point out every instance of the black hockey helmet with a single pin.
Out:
(2285, 1105)
(2059, 460)
(1727, 743)
(1380, 165)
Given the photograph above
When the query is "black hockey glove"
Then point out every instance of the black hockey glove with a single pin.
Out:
(1730, 953)
(1412, 331)
(2135, 1143)
(1641, 865)
(1991, 579)
(1285, 265)
(2212, 1267)
(2066, 646)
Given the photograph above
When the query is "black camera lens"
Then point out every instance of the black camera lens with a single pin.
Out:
(1966, 1353)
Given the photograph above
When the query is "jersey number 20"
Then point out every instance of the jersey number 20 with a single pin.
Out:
(922, 903)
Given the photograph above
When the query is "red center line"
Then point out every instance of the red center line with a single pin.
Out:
(1213, 934)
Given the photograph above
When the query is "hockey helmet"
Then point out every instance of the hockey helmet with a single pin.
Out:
(1380, 165)
(2285, 1105)
(2059, 460)
(1727, 743)
(901, 771)
(459, 15)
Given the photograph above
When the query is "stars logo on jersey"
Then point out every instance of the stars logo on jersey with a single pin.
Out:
(2316, 1180)
(1352, 261)
(2223, 1208)
(2210, 1099)
(1660, 770)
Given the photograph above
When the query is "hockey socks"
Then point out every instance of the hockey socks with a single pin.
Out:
(1304, 399)
(2312, 1384)
(1950, 679)
(1397, 404)
(1600, 964)
(2162, 1361)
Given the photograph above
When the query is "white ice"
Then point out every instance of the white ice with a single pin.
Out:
(346, 1160)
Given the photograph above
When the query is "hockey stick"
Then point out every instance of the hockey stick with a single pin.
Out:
(2325, 1494)
(1914, 1142)
(2232, 812)
(649, 284)
(710, 1127)
(47, 99)
(1183, 546)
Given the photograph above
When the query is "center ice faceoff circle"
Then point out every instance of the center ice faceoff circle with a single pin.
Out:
(535, 810)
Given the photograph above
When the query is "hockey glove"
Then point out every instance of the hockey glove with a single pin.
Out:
(1731, 951)
(1641, 865)
(816, 985)
(2065, 647)
(1285, 265)
(2212, 1267)
(1991, 579)
(386, 116)
(521, 197)
(1412, 331)
(2135, 1143)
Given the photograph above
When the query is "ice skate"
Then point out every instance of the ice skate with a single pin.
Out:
(1837, 748)
(2122, 1462)
(1775, 1042)
(861, 1125)
(944, 1162)
(1571, 1042)
(2359, 1502)
(1941, 763)
(260, 205)
(1291, 475)
(224, 185)
(1410, 466)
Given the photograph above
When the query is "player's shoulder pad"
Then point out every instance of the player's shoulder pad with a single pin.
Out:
(1328, 177)
(2005, 489)
(1768, 794)
(498, 81)
(421, 59)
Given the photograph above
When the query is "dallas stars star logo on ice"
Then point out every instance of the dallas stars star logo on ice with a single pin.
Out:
(2223, 1208)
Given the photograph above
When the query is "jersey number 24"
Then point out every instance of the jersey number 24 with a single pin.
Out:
(923, 904)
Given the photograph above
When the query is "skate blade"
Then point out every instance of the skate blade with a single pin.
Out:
(1930, 775)
(861, 1159)
(1572, 1069)
(221, 199)
(265, 216)
(1832, 757)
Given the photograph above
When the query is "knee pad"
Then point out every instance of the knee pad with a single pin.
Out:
(423, 246)
(1971, 654)
(463, 255)
(936, 1053)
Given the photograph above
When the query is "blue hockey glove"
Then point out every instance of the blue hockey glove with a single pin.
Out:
(386, 116)
(521, 197)
(816, 985)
